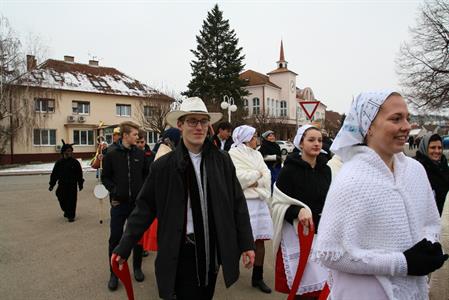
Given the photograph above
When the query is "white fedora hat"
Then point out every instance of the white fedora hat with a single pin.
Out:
(190, 106)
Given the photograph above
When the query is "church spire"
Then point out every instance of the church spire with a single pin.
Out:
(282, 64)
(281, 56)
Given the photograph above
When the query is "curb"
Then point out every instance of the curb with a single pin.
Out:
(35, 172)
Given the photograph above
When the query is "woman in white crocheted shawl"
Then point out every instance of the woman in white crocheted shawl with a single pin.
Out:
(380, 224)
(255, 179)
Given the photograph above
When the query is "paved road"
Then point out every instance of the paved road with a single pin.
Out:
(42, 256)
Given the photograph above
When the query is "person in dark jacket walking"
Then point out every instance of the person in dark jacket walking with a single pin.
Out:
(430, 155)
(68, 173)
(124, 170)
(222, 139)
(272, 155)
(203, 219)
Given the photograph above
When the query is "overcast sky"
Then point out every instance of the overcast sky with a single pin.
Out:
(338, 48)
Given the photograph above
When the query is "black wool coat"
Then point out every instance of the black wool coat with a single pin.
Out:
(299, 180)
(163, 196)
(438, 175)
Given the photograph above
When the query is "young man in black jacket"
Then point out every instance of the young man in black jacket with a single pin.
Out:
(223, 139)
(203, 219)
(124, 170)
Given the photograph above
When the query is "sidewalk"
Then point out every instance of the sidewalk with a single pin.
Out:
(39, 169)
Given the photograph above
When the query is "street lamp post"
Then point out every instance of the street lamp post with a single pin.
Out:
(228, 103)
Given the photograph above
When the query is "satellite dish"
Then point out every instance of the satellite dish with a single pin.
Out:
(100, 191)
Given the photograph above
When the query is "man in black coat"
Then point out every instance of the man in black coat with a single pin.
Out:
(203, 219)
(223, 139)
(124, 170)
(68, 173)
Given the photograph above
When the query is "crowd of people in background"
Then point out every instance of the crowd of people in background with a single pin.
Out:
(203, 201)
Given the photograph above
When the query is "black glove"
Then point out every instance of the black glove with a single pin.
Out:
(50, 188)
(80, 187)
(424, 257)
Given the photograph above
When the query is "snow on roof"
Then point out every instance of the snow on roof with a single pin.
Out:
(57, 74)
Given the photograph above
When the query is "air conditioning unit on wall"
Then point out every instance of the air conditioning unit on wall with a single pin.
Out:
(70, 119)
(81, 119)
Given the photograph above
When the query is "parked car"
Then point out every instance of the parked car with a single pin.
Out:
(286, 147)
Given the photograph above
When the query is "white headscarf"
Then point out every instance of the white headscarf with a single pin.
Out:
(299, 134)
(364, 109)
(242, 134)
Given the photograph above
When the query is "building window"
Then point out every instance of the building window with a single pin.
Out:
(273, 107)
(44, 105)
(80, 107)
(256, 106)
(278, 109)
(245, 104)
(83, 137)
(152, 137)
(268, 106)
(123, 110)
(149, 111)
(44, 137)
(99, 83)
(283, 108)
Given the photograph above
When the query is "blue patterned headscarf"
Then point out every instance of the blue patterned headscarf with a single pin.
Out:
(364, 109)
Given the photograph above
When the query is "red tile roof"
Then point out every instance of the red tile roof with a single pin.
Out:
(63, 75)
(281, 70)
(256, 78)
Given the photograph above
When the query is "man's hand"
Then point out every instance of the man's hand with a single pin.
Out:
(248, 258)
(50, 188)
(305, 218)
(117, 258)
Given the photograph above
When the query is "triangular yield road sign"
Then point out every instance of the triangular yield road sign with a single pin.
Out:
(309, 107)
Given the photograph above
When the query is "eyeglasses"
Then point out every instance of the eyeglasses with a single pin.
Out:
(194, 122)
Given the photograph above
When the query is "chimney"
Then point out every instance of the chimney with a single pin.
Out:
(31, 62)
(68, 58)
(93, 62)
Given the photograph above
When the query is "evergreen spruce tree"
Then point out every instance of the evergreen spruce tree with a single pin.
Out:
(217, 64)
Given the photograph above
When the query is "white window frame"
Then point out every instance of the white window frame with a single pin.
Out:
(88, 132)
(256, 106)
(41, 130)
(245, 104)
(38, 105)
(283, 109)
(152, 137)
(83, 104)
(121, 106)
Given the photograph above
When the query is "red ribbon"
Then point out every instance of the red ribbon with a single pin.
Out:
(123, 275)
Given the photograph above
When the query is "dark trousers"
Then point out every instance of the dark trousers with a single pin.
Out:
(67, 195)
(119, 214)
(186, 286)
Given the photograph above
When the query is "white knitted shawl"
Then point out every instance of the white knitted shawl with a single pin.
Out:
(279, 205)
(372, 215)
(250, 168)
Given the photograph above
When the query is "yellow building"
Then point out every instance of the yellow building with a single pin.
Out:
(76, 102)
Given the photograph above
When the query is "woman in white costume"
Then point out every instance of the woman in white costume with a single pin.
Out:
(255, 179)
(379, 228)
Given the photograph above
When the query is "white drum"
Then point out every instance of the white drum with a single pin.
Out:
(100, 191)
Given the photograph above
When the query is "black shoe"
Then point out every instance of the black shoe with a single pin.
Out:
(145, 253)
(138, 275)
(113, 282)
(71, 220)
(261, 285)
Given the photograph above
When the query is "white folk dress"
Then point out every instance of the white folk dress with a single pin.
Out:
(370, 217)
(251, 168)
